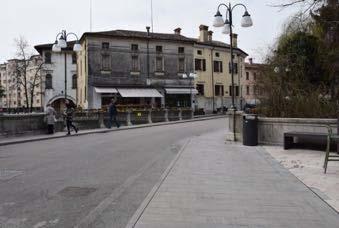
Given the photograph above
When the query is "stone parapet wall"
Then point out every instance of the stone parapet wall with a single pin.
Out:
(271, 130)
(30, 124)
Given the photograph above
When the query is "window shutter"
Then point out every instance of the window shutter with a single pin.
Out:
(196, 64)
(229, 68)
(221, 67)
(204, 64)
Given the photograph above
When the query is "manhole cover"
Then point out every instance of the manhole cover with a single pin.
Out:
(76, 191)
(9, 174)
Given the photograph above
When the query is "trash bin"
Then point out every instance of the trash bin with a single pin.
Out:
(250, 130)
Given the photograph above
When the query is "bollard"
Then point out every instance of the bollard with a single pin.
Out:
(166, 115)
(180, 114)
(128, 119)
(150, 116)
(101, 116)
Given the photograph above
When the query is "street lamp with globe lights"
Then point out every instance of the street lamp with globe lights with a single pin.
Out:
(227, 26)
(61, 43)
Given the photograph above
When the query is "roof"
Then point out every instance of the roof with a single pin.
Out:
(139, 35)
(254, 65)
(41, 47)
(156, 36)
(220, 44)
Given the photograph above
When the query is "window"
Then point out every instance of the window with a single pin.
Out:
(37, 101)
(135, 63)
(199, 52)
(134, 47)
(201, 89)
(254, 76)
(181, 50)
(48, 57)
(74, 58)
(74, 81)
(181, 65)
(218, 66)
(159, 64)
(219, 90)
(247, 75)
(49, 83)
(158, 49)
(105, 45)
(217, 54)
(235, 71)
(236, 91)
(106, 62)
(247, 90)
(200, 64)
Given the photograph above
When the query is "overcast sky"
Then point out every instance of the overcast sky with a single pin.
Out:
(40, 20)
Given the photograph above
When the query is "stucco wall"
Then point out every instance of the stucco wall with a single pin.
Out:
(57, 70)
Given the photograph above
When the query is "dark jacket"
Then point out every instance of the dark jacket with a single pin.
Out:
(69, 113)
(112, 110)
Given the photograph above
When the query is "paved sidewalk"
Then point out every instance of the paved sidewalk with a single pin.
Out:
(33, 138)
(307, 165)
(213, 184)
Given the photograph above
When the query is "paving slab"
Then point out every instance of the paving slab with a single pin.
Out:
(214, 183)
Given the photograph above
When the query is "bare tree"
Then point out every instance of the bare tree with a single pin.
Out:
(306, 4)
(27, 71)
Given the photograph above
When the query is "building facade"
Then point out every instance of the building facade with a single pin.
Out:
(250, 90)
(136, 68)
(54, 71)
(212, 66)
(15, 98)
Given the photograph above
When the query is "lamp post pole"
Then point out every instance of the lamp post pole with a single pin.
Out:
(228, 29)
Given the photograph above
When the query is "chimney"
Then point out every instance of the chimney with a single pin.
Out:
(177, 31)
(250, 60)
(210, 36)
(203, 33)
(235, 40)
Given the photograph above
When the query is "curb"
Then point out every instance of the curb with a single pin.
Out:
(138, 213)
(98, 130)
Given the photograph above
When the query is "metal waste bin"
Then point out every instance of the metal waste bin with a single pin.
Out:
(250, 130)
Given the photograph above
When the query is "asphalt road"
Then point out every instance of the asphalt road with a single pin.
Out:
(88, 181)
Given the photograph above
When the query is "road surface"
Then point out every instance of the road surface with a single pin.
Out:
(94, 180)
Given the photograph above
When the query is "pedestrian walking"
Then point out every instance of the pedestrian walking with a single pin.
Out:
(113, 112)
(50, 119)
(68, 113)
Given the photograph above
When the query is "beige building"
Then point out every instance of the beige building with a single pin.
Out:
(250, 91)
(15, 96)
(212, 66)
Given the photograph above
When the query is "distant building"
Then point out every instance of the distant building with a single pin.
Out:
(53, 85)
(137, 68)
(250, 90)
(15, 96)
(212, 65)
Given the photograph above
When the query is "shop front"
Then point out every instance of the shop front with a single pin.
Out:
(135, 98)
(180, 97)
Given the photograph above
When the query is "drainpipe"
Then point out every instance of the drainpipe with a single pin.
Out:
(148, 67)
(212, 68)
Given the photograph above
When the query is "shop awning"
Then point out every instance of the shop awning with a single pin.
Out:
(139, 93)
(181, 91)
(105, 90)
(253, 101)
